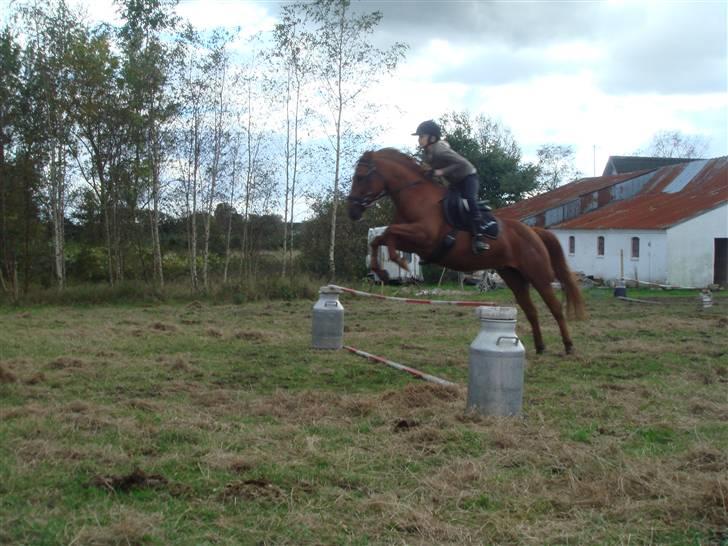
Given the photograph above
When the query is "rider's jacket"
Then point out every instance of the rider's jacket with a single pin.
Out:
(454, 167)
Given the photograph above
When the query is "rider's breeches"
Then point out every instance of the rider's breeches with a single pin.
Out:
(468, 188)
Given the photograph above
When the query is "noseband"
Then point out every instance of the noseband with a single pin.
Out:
(369, 198)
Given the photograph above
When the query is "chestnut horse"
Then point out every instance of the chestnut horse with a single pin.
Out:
(521, 255)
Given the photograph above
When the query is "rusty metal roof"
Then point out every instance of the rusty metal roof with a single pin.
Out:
(662, 198)
(561, 195)
(619, 164)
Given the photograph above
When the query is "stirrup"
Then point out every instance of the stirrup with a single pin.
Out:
(478, 245)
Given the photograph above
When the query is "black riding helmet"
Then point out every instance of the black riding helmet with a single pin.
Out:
(430, 128)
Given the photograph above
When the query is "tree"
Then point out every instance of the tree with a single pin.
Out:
(491, 148)
(291, 49)
(99, 120)
(217, 70)
(146, 70)
(675, 144)
(191, 92)
(352, 248)
(48, 29)
(10, 90)
(555, 167)
(346, 64)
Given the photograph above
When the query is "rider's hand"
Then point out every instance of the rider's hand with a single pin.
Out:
(437, 172)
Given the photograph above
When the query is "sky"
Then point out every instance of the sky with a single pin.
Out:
(602, 77)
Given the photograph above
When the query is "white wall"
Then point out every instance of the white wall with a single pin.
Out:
(651, 265)
(690, 258)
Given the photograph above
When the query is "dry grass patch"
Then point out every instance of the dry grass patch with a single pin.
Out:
(233, 462)
(256, 336)
(127, 527)
(298, 407)
(419, 395)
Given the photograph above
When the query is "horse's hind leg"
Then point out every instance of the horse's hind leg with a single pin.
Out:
(519, 286)
(549, 297)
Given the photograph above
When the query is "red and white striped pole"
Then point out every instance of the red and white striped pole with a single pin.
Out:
(414, 300)
(402, 367)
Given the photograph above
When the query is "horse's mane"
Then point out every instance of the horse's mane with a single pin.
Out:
(403, 159)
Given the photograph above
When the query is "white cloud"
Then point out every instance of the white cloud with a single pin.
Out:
(250, 17)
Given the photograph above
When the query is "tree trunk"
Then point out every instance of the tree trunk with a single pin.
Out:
(57, 192)
(230, 217)
(156, 246)
(295, 172)
(334, 208)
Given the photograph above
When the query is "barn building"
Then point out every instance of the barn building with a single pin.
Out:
(665, 223)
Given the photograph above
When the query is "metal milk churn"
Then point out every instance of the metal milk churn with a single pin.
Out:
(496, 364)
(328, 320)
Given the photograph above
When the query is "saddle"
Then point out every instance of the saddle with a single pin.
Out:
(456, 212)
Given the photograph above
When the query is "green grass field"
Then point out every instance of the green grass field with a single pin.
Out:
(217, 424)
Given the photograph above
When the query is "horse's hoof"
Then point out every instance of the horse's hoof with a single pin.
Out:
(569, 349)
(540, 350)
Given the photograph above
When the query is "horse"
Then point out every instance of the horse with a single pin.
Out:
(522, 256)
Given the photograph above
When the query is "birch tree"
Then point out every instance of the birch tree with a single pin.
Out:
(347, 64)
(147, 65)
(291, 50)
(217, 71)
(50, 30)
(95, 99)
(192, 91)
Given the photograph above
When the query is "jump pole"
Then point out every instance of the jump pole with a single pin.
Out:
(402, 367)
(468, 303)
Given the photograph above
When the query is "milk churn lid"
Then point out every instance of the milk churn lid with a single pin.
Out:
(330, 289)
(496, 313)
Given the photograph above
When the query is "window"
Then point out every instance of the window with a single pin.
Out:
(600, 246)
(572, 244)
(635, 247)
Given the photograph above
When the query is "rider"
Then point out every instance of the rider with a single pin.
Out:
(458, 171)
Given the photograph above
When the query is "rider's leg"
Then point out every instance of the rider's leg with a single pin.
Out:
(469, 190)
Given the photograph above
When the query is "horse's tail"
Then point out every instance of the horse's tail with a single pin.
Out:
(574, 300)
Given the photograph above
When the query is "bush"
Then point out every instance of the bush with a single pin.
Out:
(264, 287)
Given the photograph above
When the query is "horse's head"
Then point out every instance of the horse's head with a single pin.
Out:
(366, 186)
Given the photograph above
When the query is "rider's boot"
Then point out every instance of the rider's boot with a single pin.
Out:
(478, 242)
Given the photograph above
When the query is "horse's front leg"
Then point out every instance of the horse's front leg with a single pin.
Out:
(374, 256)
(406, 237)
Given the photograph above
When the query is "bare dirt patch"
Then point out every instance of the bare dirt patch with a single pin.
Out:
(65, 362)
(162, 327)
(7, 376)
(137, 479)
(252, 490)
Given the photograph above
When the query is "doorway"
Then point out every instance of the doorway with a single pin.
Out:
(720, 265)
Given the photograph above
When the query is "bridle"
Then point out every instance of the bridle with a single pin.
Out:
(369, 198)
